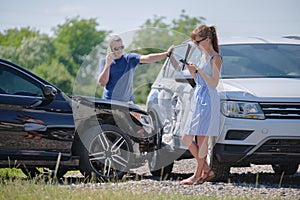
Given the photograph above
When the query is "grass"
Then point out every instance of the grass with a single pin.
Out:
(33, 190)
(14, 186)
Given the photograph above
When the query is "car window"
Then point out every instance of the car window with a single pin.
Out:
(260, 60)
(14, 83)
(169, 70)
(195, 56)
(179, 52)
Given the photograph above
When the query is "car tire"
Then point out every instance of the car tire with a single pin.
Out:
(221, 171)
(107, 153)
(158, 166)
(287, 169)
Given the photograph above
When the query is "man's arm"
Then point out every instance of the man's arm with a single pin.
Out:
(154, 57)
(104, 75)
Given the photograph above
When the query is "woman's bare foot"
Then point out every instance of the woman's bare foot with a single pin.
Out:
(189, 181)
(29, 136)
(207, 176)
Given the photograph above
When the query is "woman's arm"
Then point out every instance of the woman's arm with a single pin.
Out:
(213, 80)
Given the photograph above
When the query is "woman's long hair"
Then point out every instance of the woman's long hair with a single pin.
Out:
(206, 31)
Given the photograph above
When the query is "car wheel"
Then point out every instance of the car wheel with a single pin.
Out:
(107, 153)
(287, 169)
(158, 165)
(222, 171)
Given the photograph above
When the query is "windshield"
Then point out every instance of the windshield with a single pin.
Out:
(260, 61)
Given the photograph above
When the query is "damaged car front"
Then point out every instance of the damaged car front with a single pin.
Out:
(115, 136)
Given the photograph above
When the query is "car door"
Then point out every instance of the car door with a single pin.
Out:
(29, 125)
(171, 93)
(185, 89)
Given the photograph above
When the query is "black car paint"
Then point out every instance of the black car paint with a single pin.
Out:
(61, 135)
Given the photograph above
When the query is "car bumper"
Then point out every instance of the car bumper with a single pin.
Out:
(244, 141)
(271, 151)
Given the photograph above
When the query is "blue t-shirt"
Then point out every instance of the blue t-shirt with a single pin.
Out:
(120, 83)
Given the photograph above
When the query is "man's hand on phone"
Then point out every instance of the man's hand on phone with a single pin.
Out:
(109, 57)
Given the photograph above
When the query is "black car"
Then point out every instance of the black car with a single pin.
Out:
(42, 127)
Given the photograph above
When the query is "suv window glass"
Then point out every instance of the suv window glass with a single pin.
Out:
(179, 53)
(260, 60)
(170, 70)
(195, 56)
(11, 82)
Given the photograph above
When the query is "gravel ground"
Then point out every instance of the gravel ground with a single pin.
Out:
(257, 181)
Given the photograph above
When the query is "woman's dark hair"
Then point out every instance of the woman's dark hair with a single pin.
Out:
(206, 31)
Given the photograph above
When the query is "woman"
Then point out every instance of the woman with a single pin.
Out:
(204, 117)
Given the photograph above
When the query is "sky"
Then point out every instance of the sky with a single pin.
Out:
(231, 17)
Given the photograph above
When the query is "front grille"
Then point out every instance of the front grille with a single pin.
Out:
(281, 110)
(279, 146)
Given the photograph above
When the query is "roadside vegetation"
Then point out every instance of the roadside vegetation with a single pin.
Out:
(58, 57)
(14, 185)
(31, 190)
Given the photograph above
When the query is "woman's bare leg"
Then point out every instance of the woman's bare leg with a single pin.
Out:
(195, 150)
(202, 153)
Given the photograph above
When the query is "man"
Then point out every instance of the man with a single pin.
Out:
(117, 70)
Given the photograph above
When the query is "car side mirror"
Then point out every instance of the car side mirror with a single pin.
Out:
(183, 78)
(49, 93)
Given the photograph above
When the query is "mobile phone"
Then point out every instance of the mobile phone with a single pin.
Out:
(183, 61)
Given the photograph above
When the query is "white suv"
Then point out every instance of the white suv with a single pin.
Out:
(260, 106)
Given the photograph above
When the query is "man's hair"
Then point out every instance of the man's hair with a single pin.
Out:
(114, 38)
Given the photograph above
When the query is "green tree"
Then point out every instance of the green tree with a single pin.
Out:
(9, 53)
(58, 58)
(57, 74)
(14, 37)
(35, 51)
(76, 38)
(186, 24)
(156, 35)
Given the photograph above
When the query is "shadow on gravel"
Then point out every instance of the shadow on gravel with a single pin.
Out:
(253, 180)
(250, 179)
(269, 180)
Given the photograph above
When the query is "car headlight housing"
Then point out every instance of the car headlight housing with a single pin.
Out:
(240, 109)
(145, 120)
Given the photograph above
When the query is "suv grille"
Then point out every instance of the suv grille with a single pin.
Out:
(280, 146)
(281, 110)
